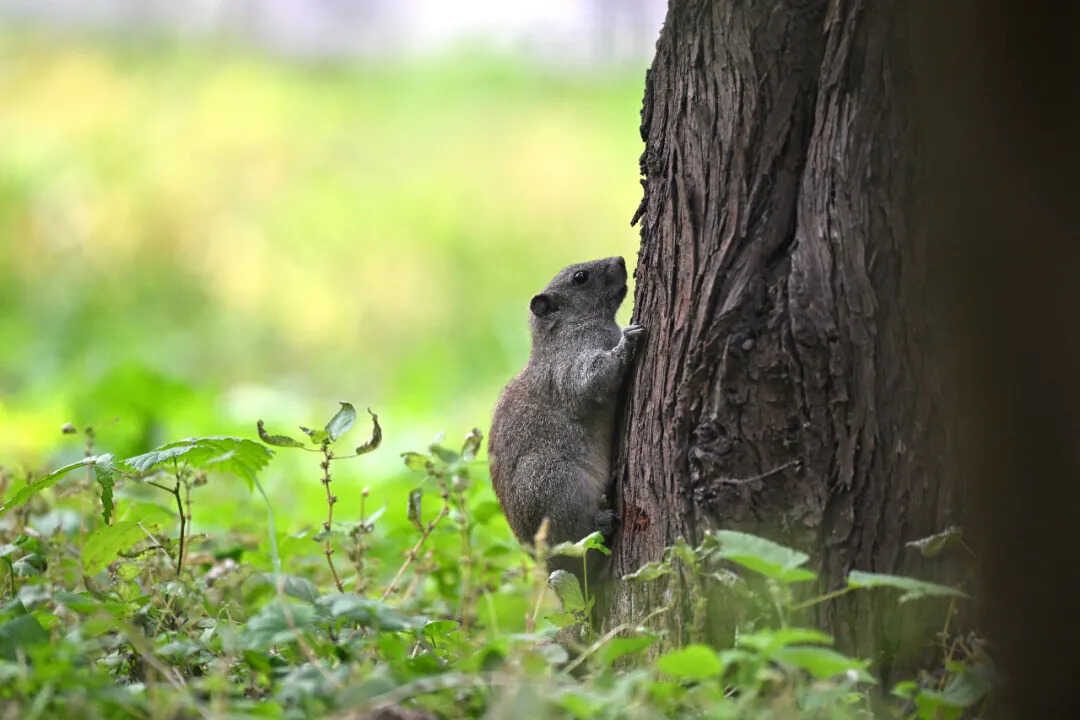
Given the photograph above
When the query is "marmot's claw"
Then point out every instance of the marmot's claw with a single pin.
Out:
(633, 331)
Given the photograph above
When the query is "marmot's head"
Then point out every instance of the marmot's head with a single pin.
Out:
(580, 293)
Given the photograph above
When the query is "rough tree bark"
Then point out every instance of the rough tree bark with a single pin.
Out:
(783, 388)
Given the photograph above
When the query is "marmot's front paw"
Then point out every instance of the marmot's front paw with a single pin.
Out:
(632, 332)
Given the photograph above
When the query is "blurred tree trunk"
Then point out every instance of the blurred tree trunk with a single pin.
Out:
(784, 388)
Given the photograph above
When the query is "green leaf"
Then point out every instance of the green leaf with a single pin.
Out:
(682, 550)
(277, 622)
(238, 456)
(105, 462)
(568, 590)
(563, 619)
(104, 544)
(769, 641)
(969, 686)
(149, 514)
(368, 612)
(933, 705)
(440, 628)
(341, 422)
(932, 545)
(592, 541)
(416, 461)
(649, 571)
(29, 565)
(913, 589)
(693, 662)
(293, 586)
(317, 436)
(446, 455)
(376, 436)
(484, 511)
(823, 662)
(23, 632)
(106, 480)
(86, 605)
(760, 555)
(278, 440)
(621, 646)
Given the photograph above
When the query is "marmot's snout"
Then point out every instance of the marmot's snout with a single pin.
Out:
(615, 278)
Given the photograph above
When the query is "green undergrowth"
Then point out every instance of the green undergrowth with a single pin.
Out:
(114, 607)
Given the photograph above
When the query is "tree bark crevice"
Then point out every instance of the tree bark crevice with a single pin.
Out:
(773, 393)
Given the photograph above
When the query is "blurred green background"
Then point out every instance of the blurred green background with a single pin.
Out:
(194, 236)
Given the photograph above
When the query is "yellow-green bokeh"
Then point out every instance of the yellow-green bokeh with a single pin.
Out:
(195, 237)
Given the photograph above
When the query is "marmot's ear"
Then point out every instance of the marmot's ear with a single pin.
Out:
(542, 304)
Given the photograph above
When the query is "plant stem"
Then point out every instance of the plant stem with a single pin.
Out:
(611, 634)
(466, 560)
(412, 553)
(183, 527)
(822, 598)
(328, 548)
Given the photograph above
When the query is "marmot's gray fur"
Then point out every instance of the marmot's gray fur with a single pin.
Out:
(550, 441)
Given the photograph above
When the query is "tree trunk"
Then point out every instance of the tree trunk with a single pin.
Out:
(783, 389)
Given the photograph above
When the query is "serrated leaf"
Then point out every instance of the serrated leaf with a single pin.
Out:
(376, 435)
(35, 486)
(823, 662)
(931, 546)
(415, 497)
(278, 440)
(106, 480)
(472, 445)
(693, 662)
(341, 422)
(649, 571)
(415, 461)
(592, 541)
(293, 586)
(276, 623)
(367, 612)
(221, 453)
(568, 590)
(760, 555)
(104, 544)
(913, 589)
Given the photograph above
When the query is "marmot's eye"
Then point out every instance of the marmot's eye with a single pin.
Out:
(581, 277)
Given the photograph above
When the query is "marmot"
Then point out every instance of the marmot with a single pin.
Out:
(550, 441)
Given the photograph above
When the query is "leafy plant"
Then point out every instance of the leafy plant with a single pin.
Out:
(115, 617)
(338, 425)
